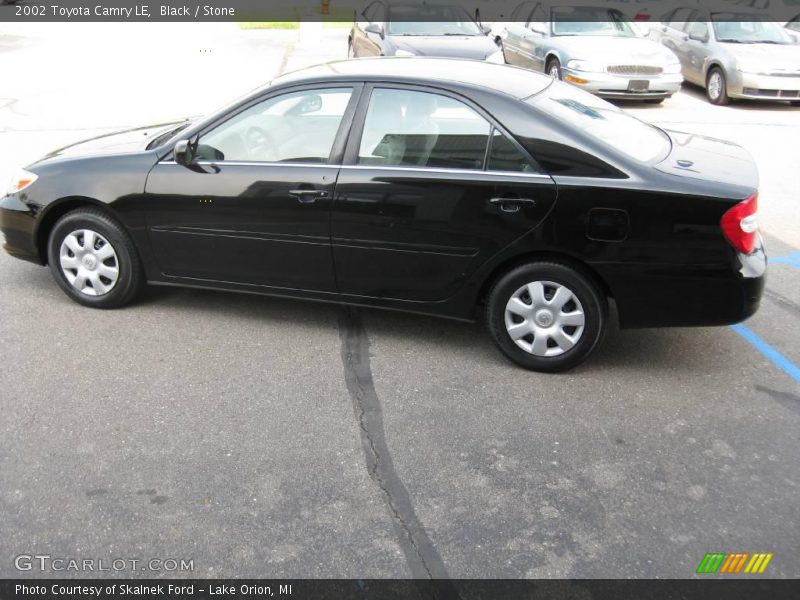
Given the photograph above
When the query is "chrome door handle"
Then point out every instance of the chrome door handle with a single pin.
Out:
(308, 196)
(512, 204)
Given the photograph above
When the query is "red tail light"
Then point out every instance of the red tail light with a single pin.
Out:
(740, 224)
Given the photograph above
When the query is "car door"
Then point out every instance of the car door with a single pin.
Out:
(419, 205)
(515, 31)
(693, 50)
(254, 205)
(672, 32)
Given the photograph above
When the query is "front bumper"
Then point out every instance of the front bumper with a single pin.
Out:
(608, 85)
(753, 86)
(18, 225)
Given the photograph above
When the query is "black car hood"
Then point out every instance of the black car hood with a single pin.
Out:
(456, 46)
(709, 159)
(120, 142)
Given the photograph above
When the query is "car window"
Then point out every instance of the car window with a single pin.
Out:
(371, 12)
(293, 127)
(697, 28)
(431, 19)
(408, 128)
(518, 14)
(679, 18)
(605, 122)
(504, 155)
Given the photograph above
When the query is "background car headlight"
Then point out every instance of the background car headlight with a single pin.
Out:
(673, 68)
(496, 57)
(585, 65)
(403, 53)
(21, 180)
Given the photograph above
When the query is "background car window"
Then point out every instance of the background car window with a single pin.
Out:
(295, 127)
(697, 28)
(431, 19)
(421, 129)
(504, 156)
(521, 12)
(371, 12)
(679, 18)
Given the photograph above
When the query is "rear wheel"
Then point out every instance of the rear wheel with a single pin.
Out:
(93, 259)
(717, 87)
(546, 316)
(554, 68)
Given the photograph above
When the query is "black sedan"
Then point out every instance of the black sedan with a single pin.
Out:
(453, 188)
(400, 29)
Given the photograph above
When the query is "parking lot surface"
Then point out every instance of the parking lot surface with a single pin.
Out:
(273, 438)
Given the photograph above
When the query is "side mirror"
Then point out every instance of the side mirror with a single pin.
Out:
(374, 28)
(698, 37)
(536, 28)
(182, 154)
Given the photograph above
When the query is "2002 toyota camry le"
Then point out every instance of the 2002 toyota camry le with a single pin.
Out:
(446, 187)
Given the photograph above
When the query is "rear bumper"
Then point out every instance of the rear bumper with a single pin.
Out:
(687, 296)
(18, 225)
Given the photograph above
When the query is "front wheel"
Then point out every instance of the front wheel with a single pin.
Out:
(554, 68)
(546, 316)
(93, 259)
(717, 87)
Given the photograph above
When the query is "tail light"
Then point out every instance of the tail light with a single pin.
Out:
(740, 224)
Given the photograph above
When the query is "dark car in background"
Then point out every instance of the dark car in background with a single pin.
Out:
(413, 29)
(455, 188)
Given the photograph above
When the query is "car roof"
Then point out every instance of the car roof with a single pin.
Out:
(512, 81)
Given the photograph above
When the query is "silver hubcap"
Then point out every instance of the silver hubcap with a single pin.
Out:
(544, 318)
(554, 72)
(89, 262)
(714, 85)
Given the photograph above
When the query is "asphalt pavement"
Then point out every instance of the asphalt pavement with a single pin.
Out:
(259, 437)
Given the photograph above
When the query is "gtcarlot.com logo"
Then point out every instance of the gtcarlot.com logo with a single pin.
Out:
(46, 562)
(734, 563)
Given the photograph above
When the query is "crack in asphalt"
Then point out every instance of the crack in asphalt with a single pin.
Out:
(421, 556)
(782, 301)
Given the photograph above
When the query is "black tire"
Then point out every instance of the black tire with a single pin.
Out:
(722, 99)
(130, 277)
(590, 301)
(553, 68)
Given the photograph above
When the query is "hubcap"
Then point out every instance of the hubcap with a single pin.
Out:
(89, 262)
(544, 318)
(554, 72)
(714, 85)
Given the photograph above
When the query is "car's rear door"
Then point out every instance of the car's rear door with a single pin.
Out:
(254, 206)
(416, 210)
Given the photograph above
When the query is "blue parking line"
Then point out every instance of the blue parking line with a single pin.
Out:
(777, 359)
(793, 260)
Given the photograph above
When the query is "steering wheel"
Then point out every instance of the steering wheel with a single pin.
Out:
(260, 145)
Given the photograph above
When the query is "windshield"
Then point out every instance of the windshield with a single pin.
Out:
(591, 20)
(431, 20)
(728, 29)
(604, 122)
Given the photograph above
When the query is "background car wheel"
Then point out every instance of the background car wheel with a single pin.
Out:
(94, 260)
(554, 68)
(546, 316)
(717, 87)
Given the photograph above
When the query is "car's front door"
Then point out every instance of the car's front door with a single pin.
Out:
(254, 206)
(694, 49)
(431, 189)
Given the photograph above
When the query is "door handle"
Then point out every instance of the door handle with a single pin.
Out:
(512, 204)
(308, 196)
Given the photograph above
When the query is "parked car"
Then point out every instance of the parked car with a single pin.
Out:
(449, 187)
(592, 46)
(733, 54)
(409, 29)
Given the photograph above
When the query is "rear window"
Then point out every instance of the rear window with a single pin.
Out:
(604, 121)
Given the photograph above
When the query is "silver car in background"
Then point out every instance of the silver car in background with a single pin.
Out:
(733, 54)
(593, 46)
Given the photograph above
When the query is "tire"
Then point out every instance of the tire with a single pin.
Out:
(554, 68)
(87, 276)
(534, 290)
(720, 96)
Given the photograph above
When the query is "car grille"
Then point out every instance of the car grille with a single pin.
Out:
(780, 94)
(634, 70)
